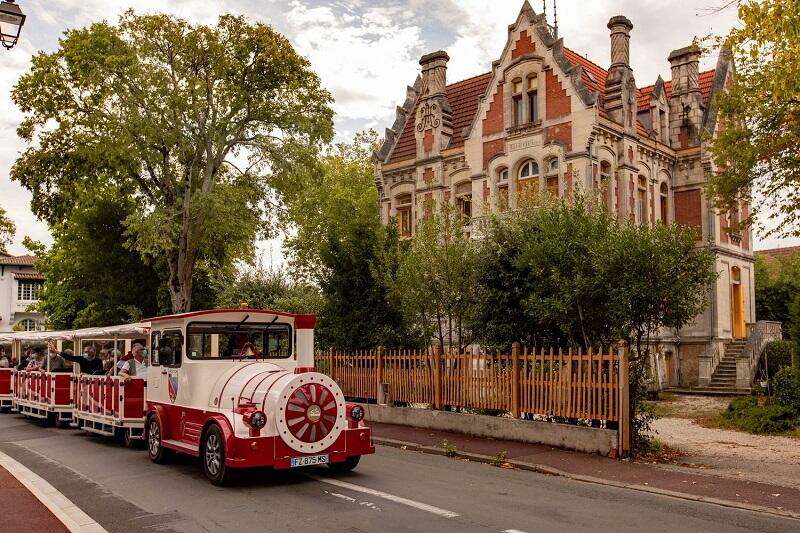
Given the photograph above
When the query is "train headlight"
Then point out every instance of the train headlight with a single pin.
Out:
(255, 419)
(356, 413)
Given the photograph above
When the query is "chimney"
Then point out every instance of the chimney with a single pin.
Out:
(620, 28)
(434, 73)
(620, 93)
(686, 101)
(434, 119)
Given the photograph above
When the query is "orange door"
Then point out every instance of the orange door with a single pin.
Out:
(737, 297)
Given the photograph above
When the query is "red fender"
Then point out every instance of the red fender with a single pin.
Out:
(161, 412)
(227, 433)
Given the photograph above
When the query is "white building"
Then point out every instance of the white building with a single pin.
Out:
(20, 286)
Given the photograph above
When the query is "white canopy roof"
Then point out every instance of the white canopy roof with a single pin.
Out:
(123, 331)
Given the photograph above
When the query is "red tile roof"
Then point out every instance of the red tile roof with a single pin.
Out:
(706, 82)
(598, 84)
(464, 97)
(20, 260)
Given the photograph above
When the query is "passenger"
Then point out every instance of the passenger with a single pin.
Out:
(134, 367)
(88, 363)
(121, 362)
(54, 360)
(24, 360)
(4, 362)
(38, 362)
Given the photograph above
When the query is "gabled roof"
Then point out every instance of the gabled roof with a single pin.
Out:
(19, 260)
(33, 276)
(706, 83)
(464, 97)
(593, 75)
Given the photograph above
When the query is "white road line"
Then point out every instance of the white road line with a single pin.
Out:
(386, 496)
(67, 512)
(512, 531)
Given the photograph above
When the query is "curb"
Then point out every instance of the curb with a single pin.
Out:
(548, 470)
(64, 510)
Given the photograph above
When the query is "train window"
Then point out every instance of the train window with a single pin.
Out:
(167, 348)
(238, 341)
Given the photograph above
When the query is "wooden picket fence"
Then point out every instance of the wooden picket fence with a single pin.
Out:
(556, 383)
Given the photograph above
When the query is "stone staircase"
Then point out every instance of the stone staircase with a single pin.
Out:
(724, 378)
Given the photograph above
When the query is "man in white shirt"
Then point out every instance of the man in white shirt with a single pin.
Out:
(134, 367)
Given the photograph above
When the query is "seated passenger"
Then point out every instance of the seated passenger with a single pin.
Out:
(24, 360)
(4, 362)
(134, 367)
(54, 361)
(88, 363)
(38, 362)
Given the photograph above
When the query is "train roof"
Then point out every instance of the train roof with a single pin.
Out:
(122, 331)
(301, 321)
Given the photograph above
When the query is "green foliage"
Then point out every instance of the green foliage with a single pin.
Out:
(92, 279)
(436, 278)
(778, 355)
(755, 151)
(747, 414)
(499, 459)
(7, 231)
(786, 387)
(163, 108)
(272, 289)
(777, 286)
(449, 449)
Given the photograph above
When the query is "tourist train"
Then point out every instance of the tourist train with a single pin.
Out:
(236, 388)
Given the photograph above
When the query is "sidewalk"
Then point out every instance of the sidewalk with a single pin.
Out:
(22, 511)
(672, 481)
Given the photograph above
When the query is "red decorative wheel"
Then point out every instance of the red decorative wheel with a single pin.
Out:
(311, 412)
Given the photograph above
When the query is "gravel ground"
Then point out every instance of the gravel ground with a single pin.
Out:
(762, 458)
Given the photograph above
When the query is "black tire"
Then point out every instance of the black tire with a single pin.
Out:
(212, 454)
(123, 437)
(155, 448)
(52, 419)
(345, 466)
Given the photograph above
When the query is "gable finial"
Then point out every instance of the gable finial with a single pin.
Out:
(555, 19)
(544, 9)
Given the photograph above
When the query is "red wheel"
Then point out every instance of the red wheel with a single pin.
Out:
(311, 412)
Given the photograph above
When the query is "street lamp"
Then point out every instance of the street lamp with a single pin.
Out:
(11, 21)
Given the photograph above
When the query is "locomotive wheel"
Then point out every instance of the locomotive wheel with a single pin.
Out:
(213, 456)
(155, 449)
(345, 466)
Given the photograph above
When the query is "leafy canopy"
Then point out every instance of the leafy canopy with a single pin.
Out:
(7, 231)
(201, 122)
(755, 149)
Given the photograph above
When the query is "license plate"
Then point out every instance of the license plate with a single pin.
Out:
(309, 460)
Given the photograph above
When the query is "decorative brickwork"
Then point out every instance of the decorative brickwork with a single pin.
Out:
(427, 175)
(494, 122)
(684, 137)
(689, 210)
(558, 103)
(631, 196)
(568, 181)
(745, 229)
(427, 141)
(524, 45)
(491, 149)
(485, 190)
(560, 133)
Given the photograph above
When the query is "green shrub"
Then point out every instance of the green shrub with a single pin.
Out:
(786, 387)
(747, 414)
(779, 355)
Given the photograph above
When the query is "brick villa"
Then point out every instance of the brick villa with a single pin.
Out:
(546, 118)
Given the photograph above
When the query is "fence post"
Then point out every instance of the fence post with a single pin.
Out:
(624, 402)
(379, 375)
(330, 364)
(437, 377)
(515, 380)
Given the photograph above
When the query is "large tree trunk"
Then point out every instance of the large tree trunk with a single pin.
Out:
(180, 283)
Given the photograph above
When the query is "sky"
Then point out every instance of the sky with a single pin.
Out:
(366, 52)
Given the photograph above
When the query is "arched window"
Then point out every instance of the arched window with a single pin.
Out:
(641, 201)
(551, 172)
(502, 189)
(528, 182)
(606, 184)
(664, 206)
(404, 223)
(529, 169)
(28, 324)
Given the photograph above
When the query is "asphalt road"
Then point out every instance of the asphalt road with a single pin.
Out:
(394, 490)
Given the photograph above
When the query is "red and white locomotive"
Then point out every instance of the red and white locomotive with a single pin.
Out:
(236, 388)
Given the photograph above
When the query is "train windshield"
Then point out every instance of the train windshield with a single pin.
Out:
(210, 340)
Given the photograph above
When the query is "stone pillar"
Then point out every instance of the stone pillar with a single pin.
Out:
(434, 73)
(433, 127)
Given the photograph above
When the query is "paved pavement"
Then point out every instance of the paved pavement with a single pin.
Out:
(394, 490)
(33, 516)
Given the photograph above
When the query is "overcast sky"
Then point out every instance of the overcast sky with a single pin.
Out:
(367, 51)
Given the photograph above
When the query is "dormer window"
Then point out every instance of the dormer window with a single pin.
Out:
(533, 99)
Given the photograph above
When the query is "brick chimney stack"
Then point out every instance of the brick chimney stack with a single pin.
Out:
(620, 94)
(686, 102)
(433, 127)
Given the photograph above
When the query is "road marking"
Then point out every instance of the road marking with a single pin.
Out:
(67, 512)
(512, 531)
(386, 496)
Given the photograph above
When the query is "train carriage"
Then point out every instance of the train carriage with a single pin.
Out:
(238, 389)
(6, 380)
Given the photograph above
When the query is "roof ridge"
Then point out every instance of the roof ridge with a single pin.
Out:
(670, 80)
(586, 58)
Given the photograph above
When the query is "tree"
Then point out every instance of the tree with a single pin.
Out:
(92, 279)
(755, 147)
(436, 280)
(263, 288)
(7, 231)
(777, 286)
(656, 279)
(202, 123)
